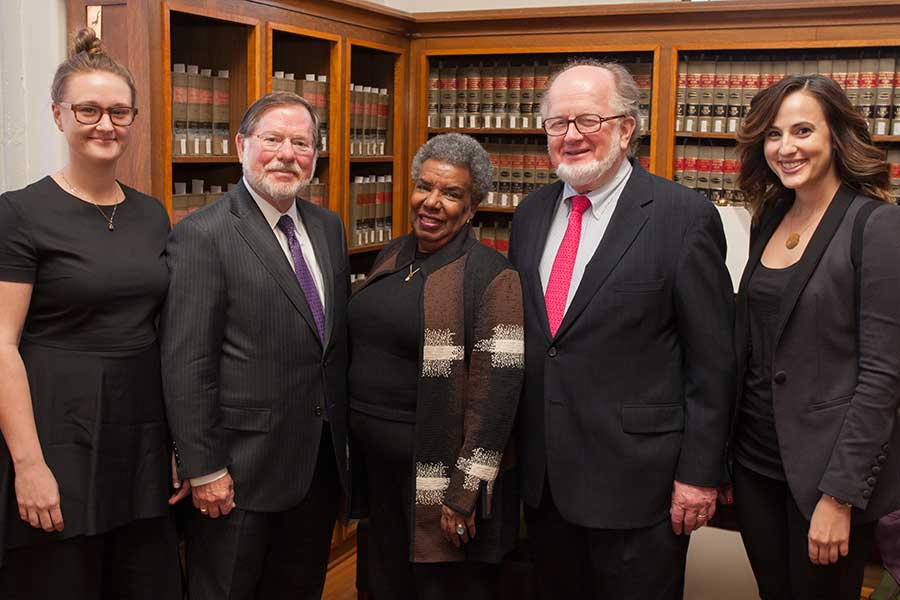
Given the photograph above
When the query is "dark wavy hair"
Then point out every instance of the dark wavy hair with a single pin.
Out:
(860, 165)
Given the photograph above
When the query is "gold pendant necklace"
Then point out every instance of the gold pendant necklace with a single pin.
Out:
(76, 192)
(793, 238)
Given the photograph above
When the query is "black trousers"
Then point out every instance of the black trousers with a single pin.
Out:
(775, 534)
(250, 555)
(387, 447)
(580, 562)
(138, 561)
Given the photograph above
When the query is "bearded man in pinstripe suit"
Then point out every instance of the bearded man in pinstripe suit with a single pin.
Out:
(254, 350)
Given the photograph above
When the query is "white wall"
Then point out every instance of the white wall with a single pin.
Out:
(32, 44)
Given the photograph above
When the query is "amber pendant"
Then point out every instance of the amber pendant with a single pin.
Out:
(792, 240)
(112, 227)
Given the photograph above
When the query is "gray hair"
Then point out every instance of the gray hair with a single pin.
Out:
(625, 98)
(273, 100)
(460, 150)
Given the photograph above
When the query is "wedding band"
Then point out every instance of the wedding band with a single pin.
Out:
(701, 515)
(460, 529)
(204, 510)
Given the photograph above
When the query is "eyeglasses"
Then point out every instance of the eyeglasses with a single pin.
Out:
(272, 142)
(586, 123)
(90, 114)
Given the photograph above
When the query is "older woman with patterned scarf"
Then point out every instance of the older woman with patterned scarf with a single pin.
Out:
(436, 370)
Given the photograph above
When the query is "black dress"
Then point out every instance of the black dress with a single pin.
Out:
(90, 351)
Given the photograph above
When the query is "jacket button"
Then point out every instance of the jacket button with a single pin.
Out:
(866, 493)
(876, 470)
(881, 459)
(780, 377)
(871, 481)
(317, 411)
(884, 448)
(551, 352)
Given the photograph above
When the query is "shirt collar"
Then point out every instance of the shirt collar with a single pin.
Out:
(608, 190)
(271, 213)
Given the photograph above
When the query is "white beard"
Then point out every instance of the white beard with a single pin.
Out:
(278, 192)
(585, 174)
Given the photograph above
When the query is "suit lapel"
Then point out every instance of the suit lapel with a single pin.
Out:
(807, 264)
(624, 226)
(547, 203)
(255, 231)
(316, 230)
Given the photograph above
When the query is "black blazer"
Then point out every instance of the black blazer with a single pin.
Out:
(835, 407)
(245, 376)
(636, 388)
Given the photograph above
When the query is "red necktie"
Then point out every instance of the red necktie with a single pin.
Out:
(561, 274)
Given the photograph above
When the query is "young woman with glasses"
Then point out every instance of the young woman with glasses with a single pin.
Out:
(84, 452)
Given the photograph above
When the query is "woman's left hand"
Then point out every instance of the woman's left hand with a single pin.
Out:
(829, 531)
(450, 519)
(183, 487)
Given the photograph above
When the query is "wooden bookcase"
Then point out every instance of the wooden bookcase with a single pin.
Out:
(381, 68)
(217, 40)
(301, 51)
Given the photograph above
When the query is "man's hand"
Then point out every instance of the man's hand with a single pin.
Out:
(215, 498)
(692, 507)
(450, 520)
(829, 531)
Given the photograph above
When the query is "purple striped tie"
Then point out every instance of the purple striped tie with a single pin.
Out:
(304, 276)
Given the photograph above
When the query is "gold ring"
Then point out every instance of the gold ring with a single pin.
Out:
(204, 510)
(701, 516)
(460, 529)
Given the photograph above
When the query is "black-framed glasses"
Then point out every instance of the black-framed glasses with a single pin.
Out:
(273, 142)
(90, 114)
(586, 123)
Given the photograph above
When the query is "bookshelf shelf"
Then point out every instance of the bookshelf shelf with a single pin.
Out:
(496, 209)
(365, 249)
(485, 131)
(205, 159)
(388, 158)
(705, 135)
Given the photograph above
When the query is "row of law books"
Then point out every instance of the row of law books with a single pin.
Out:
(713, 96)
(505, 96)
(893, 157)
(201, 109)
(184, 202)
(520, 168)
(314, 88)
(369, 118)
(711, 170)
(494, 235)
(315, 192)
(371, 210)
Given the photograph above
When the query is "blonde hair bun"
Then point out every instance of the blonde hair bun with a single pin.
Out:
(86, 40)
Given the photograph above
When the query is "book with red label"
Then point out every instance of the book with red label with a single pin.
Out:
(735, 96)
(680, 96)
(221, 113)
(720, 96)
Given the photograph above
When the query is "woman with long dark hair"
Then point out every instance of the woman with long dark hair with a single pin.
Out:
(816, 436)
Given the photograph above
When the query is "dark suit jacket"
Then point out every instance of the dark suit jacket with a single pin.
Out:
(246, 379)
(836, 407)
(636, 388)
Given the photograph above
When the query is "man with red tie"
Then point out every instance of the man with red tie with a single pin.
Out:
(629, 364)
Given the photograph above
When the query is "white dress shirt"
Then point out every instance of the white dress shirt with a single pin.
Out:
(593, 226)
(309, 255)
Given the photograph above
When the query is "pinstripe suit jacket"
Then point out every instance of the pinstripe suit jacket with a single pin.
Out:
(635, 389)
(245, 376)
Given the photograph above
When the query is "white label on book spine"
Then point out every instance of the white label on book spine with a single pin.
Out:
(526, 122)
(224, 146)
(209, 145)
(182, 143)
(513, 121)
(196, 145)
(538, 121)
